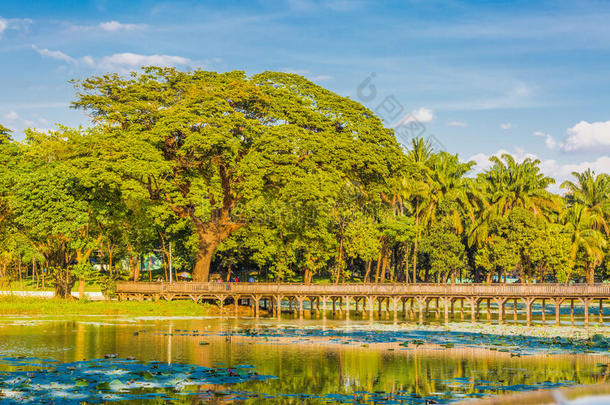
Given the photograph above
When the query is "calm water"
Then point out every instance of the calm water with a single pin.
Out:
(336, 362)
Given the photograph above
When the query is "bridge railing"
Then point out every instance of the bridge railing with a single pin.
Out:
(355, 289)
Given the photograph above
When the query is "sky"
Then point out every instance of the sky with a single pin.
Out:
(476, 78)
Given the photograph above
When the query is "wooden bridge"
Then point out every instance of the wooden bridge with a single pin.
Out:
(365, 297)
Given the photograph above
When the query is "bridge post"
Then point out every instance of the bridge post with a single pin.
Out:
(323, 307)
(586, 302)
(452, 305)
(371, 300)
(462, 309)
(543, 311)
(601, 311)
(488, 310)
(411, 310)
(446, 308)
(515, 310)
(500, 301)
(421, 301)
(300, 301)
(572, 311)
(395, 308)
(528, 309)
(557, 302)
(236, 305)
(347, 302)
(278, 306)
(256, 299)
(473, 301)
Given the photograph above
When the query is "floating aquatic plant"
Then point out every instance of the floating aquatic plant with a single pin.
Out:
(102, 380)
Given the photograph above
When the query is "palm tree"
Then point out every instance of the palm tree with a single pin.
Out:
(448, 191)
(587, 216)
(419, 158)
(505, 186)
(510, 184)
(585, 238)
(594, 193)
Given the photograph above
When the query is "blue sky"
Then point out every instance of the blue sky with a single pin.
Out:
(478, 77)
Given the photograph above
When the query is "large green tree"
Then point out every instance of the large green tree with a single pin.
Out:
(210, 145)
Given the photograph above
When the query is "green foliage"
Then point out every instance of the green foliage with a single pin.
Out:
(274, 176)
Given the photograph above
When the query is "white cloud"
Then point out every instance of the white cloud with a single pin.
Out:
(57, 55)
(119, 62)
(14, 24)
(582, 137)
(506, 126)
(114, 26)
(321, 78)
(586, 136)
(457, 124)
(550, 167)
(10, 117)
(124, 62)
(420, 115)
(549, 141)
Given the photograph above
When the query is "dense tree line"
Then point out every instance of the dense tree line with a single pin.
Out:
(274, 176)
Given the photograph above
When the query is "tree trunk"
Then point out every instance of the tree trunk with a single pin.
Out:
(590, 273)
(378, 267)
(229, 273)
(210, 236)
(81, 288)
(201, 272)
(384, 267)
(368, 271)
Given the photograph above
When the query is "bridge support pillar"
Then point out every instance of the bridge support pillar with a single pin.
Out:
(447, 301)
(323, 307)
(395, 308)
(236, 305)
(452, 315)
(472, 302)
(515, 311)
(557, 302)
(572, 311)
(543, 311)
(347, 303)
(586, 302)
(421, 301)
(601, 311)
(371, 300)
(528, 309)
(300, 301)
(500, 301)
(256, 300)
(278, 306)
(488, 310)
(462, 309)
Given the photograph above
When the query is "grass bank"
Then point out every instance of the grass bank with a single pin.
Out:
(11, 305)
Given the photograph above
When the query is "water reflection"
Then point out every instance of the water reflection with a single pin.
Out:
(343, 371)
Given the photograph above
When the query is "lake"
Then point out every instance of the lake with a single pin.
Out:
(229, 360)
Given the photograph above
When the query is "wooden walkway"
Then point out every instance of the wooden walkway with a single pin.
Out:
(395, 297)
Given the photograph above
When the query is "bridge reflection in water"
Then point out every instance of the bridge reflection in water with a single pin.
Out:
(395, 297)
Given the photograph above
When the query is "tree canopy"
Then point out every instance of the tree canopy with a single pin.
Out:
(274, 177)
